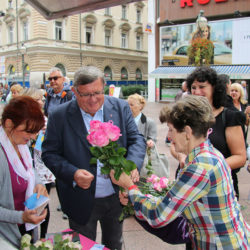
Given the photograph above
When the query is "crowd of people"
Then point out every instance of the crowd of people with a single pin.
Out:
(43, 139)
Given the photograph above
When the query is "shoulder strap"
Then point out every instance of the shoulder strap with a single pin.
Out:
(69, 95)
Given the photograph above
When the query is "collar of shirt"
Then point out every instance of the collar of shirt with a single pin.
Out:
(87, 117)
(137, 119)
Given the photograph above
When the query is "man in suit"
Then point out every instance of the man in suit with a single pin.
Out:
(86, 195)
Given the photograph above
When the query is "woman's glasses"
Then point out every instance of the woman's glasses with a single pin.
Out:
(54, 78)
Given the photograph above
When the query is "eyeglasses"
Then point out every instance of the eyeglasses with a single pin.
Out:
(54, 78)
(88, 95)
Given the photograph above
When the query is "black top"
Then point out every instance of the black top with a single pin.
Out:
(218, 137)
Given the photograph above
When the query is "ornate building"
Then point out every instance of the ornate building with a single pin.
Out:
(113, 39)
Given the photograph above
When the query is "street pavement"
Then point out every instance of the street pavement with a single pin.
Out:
(135, 237)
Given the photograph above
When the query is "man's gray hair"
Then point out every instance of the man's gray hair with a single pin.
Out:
(87, 74)
(54, 69)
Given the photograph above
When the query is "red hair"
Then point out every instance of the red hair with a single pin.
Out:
(24, 110)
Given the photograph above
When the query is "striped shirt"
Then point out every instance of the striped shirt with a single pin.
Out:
(204, 195)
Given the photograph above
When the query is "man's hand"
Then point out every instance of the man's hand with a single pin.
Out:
(30, 216)
(83, 178)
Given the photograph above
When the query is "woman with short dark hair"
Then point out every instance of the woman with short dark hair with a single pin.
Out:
(21, 120)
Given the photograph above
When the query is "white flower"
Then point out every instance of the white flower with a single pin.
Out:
(25, 240)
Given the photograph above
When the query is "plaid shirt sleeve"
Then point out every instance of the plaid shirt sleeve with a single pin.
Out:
(193, 183)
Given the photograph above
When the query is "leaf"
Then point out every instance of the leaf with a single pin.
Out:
(105, 170)
(114, 160)
(118, 173)
(130, 165)
(93, 160)
(121, 151)
(57, 238)
(96, 151)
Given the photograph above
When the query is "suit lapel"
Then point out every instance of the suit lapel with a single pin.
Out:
(109, 110)
(76, 121)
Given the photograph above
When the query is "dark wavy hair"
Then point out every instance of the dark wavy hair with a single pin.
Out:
(203, 74)
(24, 110)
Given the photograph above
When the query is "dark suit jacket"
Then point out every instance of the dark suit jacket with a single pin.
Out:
(66, 149)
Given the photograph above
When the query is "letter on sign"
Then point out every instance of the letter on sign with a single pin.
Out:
(203, 1)
(188, 2)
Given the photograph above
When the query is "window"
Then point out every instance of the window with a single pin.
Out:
(11, 34)
(12, 70)
(10, 5)
(25, 31)
(124, 74)
(124, 12)
(107, 37)
(107, 74)
(138, 75)
(88, 34)
(62, 68)
(138, 16)
(124, 40)
(58, 31)
(138, 42)
(108, 11)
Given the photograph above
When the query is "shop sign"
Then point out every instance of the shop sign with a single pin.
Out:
(189, 3)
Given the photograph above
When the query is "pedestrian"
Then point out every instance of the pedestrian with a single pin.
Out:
(45, 175)
(21, 120)
(86, 195)
(227, 135)
(57, 93)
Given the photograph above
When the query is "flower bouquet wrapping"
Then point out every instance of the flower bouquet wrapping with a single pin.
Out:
(200, 51)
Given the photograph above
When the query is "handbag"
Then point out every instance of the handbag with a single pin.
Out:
(155, 161)
(176, 232)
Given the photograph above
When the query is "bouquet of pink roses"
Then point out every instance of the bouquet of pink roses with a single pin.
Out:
(103, 137)
(153, 186)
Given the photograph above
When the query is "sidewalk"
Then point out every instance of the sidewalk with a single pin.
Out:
(135, 237)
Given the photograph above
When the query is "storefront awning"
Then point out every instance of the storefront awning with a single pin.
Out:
(181, 72)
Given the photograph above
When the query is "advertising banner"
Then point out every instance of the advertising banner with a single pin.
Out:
(220, 42)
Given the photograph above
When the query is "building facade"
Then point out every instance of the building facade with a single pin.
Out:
(113, 39)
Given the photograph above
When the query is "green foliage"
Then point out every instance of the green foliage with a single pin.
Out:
(201, 51)
(112, 157)
(132, 89)
(128, 89)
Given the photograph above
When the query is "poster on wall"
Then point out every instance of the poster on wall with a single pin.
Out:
(241, 42)
(225, 42)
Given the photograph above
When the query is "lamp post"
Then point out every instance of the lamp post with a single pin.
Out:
(23, 50)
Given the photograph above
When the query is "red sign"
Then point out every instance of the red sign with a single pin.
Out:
(202, 2)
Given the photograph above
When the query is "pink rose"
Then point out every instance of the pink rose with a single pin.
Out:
(98, 138)
(153, 178)
(157, 186)
(94, 125)
(112, 131)
(163, 182)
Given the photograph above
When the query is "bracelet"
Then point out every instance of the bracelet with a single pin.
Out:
(132, 187)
